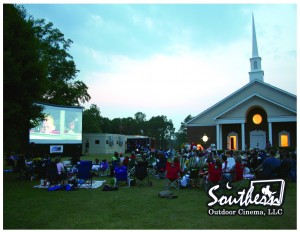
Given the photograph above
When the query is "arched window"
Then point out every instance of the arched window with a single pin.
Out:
(284, 139)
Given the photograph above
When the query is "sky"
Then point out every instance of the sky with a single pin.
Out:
(173, 59)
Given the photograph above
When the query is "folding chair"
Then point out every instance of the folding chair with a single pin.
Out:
(85, 174)
(141, 173)
(182, 164)
(238, 177)
(172, 175)
(194, 180)
(214, 176)
(131, 166)
(192, 162)
(104, 169)
(161, 167)
(151, 166)
(121, 174)
(113, 165)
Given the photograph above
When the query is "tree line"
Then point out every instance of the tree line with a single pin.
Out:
(37, 67)
(159, 127)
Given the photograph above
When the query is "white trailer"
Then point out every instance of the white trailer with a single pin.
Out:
(96, 143)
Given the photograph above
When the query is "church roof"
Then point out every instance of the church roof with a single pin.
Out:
(256, 93)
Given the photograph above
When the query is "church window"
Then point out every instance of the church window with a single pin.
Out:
(284, 139)
(257, 119)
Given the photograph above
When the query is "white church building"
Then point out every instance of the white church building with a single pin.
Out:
(252, 116)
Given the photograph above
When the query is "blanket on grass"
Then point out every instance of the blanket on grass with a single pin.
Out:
(96, 184)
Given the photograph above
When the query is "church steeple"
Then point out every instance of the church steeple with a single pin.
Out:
(255, 62)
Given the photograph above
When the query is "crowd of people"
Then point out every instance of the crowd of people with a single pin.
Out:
(256, 163)
(263, 164)
(29, 167)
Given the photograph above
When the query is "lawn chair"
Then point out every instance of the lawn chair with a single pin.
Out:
(194, 179)
(182, 164)
(191, 163)
(152, 166)
(238, 177)
(172, 175)
(85, 174)
(161, 167)
(141, 173)
(214, 176)
(131, 166)
(104, 168)
(121, 175)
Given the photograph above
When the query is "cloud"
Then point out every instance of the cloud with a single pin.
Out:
(185, 82)
(183, 77)
(96, 20)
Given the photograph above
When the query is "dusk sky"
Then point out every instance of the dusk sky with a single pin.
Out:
(173, 59)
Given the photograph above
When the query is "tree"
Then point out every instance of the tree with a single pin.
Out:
(116, 126)
(91, 120)
(24, 78)
(37, 68)
(162, 130)
(61, 69)
(105, 125)
(181, 135)
(129, 126)
(140, 119)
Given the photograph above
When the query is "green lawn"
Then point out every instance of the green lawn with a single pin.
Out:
(137, 207)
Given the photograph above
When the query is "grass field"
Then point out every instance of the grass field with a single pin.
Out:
(137, 207)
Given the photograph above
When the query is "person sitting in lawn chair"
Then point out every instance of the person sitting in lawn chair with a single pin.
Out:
(237, 172)
(172, 173)
(115, 161)
(141, 171)
(227, 175)
(121, 174)
(213, 175)
(161, 166)
(267, 169)
(96, 166)
(103, 168)
(61, 172)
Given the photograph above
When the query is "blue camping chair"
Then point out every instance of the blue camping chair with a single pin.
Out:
(85, 174)
(121, 174)
(104, 168)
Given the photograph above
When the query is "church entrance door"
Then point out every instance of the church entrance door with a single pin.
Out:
(258, 139)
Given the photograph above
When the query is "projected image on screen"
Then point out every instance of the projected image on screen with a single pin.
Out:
(61, 125)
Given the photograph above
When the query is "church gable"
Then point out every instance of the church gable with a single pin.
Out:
(268, 95)
(270, 107)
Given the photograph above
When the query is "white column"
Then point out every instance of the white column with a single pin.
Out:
(243, 135)
(218, 136)
(270, 133)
